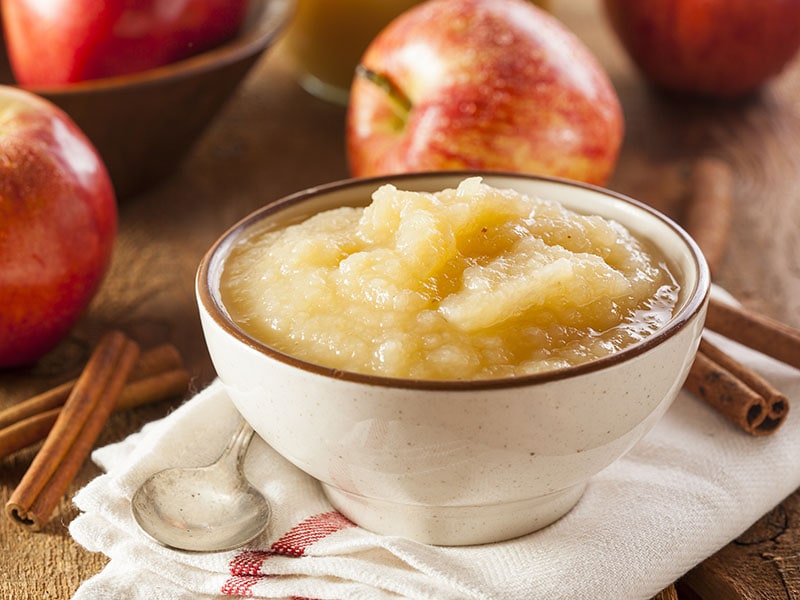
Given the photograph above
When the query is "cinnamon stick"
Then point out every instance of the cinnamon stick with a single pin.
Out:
(74, 432)
(156, 387)
(741, 395)
(754, 330)
(28, 431)
(777, 403)
(161, 358)
(35, 428)
(709, 211)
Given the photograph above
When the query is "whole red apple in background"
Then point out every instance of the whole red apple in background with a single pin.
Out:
(65, 41)
(482, 84)
(720, 48)
(58, 222)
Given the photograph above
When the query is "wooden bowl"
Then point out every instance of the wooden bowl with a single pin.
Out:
(144, 124)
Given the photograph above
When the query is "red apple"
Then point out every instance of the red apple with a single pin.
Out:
(718, 48)
(58, 222)
(64, 41)
(482, 84)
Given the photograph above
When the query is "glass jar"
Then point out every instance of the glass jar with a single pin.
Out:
(327, 38)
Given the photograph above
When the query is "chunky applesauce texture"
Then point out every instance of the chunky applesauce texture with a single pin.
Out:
(467, 283)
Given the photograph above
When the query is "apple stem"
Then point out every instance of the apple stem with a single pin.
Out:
(401, 101)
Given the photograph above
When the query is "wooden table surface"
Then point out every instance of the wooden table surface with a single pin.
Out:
(273, 139)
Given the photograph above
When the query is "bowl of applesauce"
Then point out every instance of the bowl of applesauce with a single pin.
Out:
(453, 355)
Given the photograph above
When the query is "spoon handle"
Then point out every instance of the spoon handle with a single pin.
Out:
(238, 444)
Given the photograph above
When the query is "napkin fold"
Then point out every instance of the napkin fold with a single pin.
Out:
(689, 487)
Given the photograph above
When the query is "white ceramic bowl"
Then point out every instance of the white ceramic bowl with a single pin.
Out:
(457, 462)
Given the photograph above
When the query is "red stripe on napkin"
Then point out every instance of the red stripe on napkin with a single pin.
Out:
(239, 586)
(310, 531)
(248, 562)
(245, 567)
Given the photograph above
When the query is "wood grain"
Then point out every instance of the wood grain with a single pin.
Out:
(272, 139)
(765, 558)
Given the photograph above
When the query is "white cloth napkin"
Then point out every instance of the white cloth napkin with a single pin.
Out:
(689, 487)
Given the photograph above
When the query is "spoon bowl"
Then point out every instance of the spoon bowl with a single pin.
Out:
(203, 509)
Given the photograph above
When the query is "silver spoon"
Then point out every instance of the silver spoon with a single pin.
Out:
(203, 509)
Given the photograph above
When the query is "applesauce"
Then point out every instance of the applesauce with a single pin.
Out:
(467, 283)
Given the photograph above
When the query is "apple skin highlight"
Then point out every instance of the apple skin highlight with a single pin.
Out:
(58, 224)
(58, 43)
(476, 84)
(716, 48)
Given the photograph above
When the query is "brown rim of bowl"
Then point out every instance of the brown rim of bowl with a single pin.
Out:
(695, 303)
(264, 28)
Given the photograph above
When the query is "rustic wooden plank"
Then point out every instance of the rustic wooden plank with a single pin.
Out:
(764, 562)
